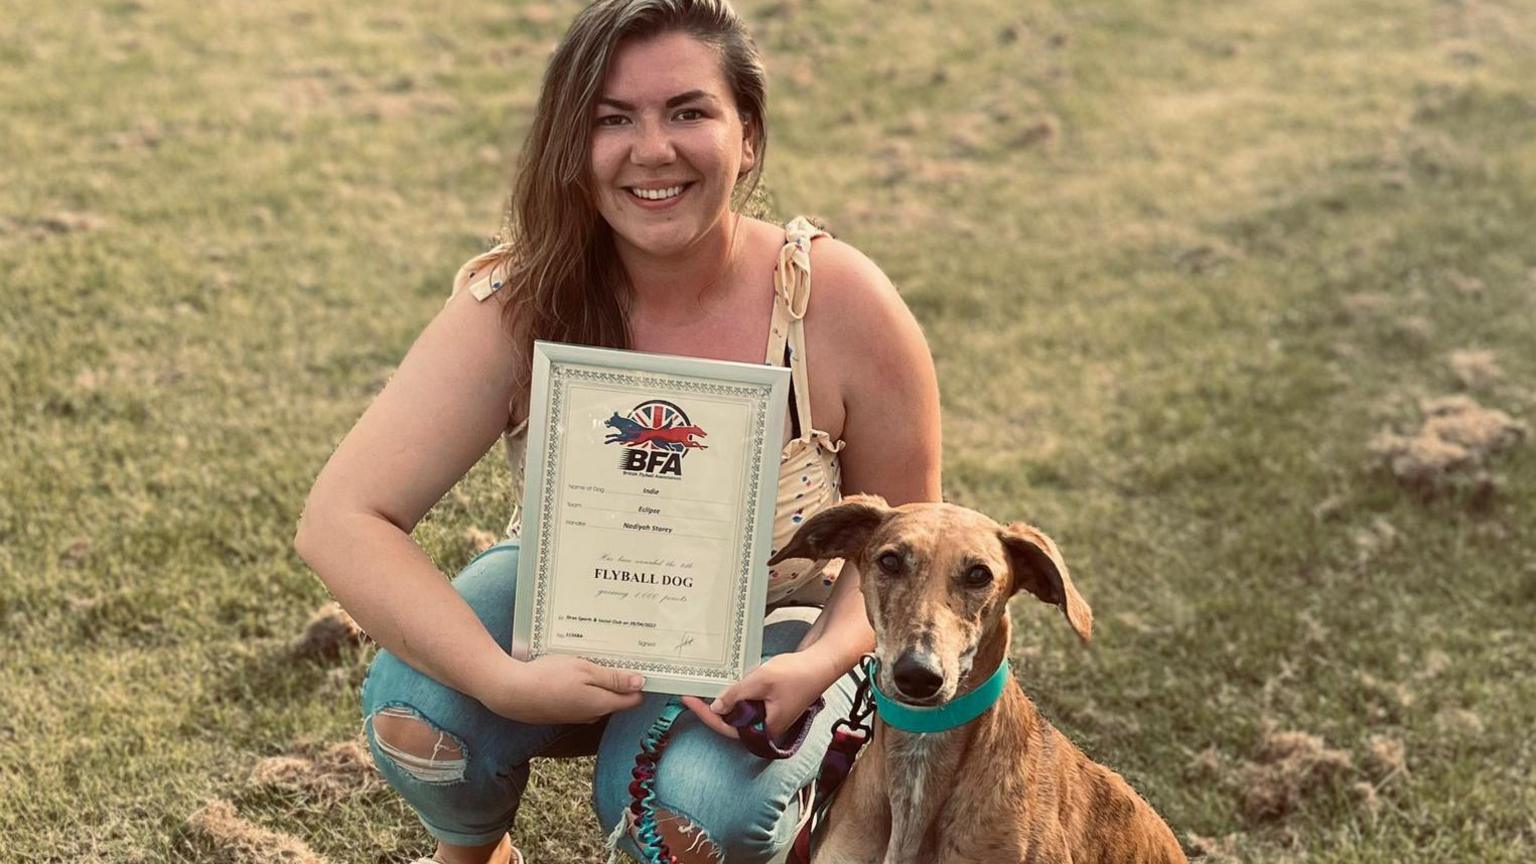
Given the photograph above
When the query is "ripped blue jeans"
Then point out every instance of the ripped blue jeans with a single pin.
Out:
(467, 791)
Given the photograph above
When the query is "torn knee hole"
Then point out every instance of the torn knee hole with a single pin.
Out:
(420, 749)
(687, 839)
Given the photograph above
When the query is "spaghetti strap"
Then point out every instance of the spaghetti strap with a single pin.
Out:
(479, 275)
(792, 294)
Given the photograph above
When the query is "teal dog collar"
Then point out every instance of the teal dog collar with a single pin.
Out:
(940, 718)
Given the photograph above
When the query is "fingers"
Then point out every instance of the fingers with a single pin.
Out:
(620, 702)
(616, 680)
(723, 703)
(708, 717)
(754, 686)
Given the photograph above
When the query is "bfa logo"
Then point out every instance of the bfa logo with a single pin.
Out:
(654, 436)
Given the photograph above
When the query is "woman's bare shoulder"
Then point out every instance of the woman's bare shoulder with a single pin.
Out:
(857, 319)
(847, 283)
(863, 336)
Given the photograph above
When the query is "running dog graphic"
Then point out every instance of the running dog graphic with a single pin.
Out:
(629, 431)
(672, 436)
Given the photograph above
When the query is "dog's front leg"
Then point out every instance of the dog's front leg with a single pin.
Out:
(847, 850)
(858, 827)
(853, 840)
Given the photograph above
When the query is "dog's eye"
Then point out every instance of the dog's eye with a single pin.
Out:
(978, 577)
(890, 562)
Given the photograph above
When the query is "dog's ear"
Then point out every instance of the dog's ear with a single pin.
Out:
(839, 531)
(1038, 568)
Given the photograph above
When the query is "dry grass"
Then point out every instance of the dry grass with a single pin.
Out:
(329, 632)
(1457, 434)
(320, 774)
(1287, 768)
(228, 838)
(1475, 369)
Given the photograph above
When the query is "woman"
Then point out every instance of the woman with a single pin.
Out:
(624, 232)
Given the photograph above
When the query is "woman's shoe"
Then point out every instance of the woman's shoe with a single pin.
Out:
(517, 858)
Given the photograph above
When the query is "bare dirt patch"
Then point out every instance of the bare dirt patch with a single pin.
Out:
(237, 841)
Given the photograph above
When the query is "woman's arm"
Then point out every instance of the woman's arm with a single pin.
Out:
(865, 335)
(861, 332)
(442, 410)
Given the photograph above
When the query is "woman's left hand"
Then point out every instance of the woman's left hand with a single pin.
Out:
(786, 683)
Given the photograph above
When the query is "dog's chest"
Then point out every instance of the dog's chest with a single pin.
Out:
(920, 769)
(910, 760)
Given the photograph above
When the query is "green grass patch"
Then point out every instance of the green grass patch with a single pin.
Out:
(1178, 263)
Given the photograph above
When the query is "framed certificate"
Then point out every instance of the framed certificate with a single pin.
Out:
(648, 513)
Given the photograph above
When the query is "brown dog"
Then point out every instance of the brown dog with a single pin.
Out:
(1005, 787)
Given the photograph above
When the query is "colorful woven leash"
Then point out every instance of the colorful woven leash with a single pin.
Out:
(849, 735)
(642, 789)
(749, 718)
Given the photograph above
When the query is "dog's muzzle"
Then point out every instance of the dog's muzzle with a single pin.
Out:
(917, 675)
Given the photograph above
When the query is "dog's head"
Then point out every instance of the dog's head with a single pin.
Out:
(936, 580)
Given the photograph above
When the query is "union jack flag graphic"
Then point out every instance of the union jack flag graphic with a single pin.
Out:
(659, 414)
(655, 424)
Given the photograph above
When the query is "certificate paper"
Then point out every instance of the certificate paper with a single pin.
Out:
(648, 512)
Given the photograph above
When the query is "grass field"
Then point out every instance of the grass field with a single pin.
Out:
(1180, 265)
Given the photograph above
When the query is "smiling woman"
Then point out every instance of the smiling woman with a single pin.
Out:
(623, 232)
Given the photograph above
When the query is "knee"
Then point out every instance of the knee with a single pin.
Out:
(696, 825)
(461, 800)
(748, 834)
(688, 841)
(408, 742)
(712, 802)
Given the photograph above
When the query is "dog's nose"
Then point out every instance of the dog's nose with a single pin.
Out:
(916, 675)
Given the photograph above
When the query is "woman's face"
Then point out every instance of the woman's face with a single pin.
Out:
(667, 144)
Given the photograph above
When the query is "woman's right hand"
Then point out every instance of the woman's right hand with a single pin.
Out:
(558, 688)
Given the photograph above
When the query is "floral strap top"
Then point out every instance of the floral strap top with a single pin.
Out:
(809, 478)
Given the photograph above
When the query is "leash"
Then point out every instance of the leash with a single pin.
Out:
(748, 717)
(849, 735)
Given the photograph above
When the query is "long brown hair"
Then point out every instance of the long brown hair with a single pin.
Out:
(561, 267)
